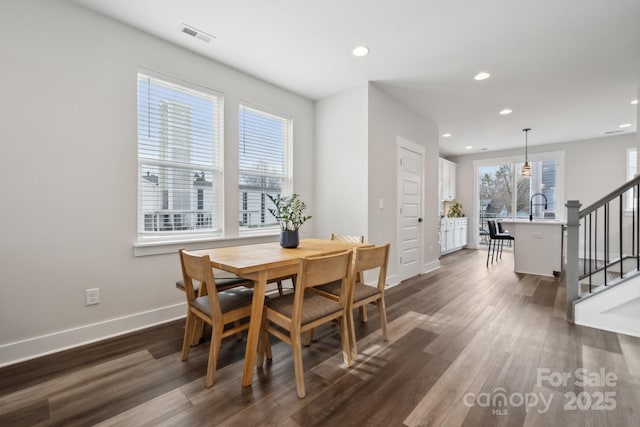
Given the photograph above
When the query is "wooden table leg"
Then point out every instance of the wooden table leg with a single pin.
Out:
(253, 334)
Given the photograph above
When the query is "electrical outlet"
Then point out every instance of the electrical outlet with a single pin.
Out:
(92, 296)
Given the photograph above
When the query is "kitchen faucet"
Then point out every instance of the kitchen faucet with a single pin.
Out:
(531, 205)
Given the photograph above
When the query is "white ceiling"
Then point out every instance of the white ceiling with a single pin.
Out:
(567, 68)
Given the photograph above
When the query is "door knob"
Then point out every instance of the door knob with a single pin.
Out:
(419, 219)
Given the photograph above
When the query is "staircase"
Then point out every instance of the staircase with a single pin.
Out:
(603, 262)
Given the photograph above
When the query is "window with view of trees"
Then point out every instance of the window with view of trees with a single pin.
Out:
(504, 193)
(178, 158)
(264, 166)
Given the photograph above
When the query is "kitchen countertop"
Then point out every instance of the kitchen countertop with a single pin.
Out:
(534, 222)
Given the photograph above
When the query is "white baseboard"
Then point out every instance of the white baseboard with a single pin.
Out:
(430, 266)
(392, 281)
(31, 348)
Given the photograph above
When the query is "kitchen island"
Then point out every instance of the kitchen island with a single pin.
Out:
(537, 246)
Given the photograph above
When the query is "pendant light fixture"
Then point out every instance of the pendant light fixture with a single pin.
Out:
(526, 168)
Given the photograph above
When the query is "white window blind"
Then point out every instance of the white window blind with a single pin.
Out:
(264, 165)
(178, 158)
(632, 169)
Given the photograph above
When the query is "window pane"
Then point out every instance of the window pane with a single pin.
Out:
(496, 195)
(263, 165)
(177, 199)
(543, 184)
(178, 138)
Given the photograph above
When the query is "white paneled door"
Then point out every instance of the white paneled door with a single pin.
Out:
(410, 182)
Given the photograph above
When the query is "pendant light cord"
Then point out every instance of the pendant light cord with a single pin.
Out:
(526, 144)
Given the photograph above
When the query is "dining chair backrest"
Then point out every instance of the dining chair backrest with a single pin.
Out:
(492, 228)
(315, 271)
(370, 258)
(199, 268)
(345, 238)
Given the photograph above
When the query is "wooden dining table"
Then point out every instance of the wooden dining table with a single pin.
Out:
(264, 263)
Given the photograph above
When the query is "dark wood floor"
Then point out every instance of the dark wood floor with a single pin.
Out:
(469, 345)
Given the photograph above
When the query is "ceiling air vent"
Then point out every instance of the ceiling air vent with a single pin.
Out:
(194, 32)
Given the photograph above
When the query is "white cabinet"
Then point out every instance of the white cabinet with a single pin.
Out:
(447, 181)
(450, 233)
(460, 232)
(447, 234)
(463, 232)
(443, 238)
(453, 234)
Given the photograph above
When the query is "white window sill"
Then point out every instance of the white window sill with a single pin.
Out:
(168, 245)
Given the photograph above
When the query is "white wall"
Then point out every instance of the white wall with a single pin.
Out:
(356, 134)
(593, 168)
(341, 164)
(68, 173)
(389, 119)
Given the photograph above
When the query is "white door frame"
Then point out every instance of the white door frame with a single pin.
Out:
(419, 149)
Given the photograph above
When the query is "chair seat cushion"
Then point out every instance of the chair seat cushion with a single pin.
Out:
(314, 306)
(360, 292)
(229, 300)
(503, 236)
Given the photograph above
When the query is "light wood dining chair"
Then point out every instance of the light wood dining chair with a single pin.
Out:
(364, 259)
(217, 308)
(288, 317)
(353, 239)
(311, 335)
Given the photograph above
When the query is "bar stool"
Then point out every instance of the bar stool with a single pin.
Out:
(495, 237)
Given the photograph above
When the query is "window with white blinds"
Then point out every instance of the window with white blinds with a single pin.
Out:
(179, 137)
(264, 165)
(632, 170)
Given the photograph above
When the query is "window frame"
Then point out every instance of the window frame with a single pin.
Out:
(287, 174)
(557, 156)
(216, 169)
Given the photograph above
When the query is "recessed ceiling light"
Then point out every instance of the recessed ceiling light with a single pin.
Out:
(626, 125)
(446, 135)
(361, 51)
(482, 76)
(634, 102)
(506, 111)
(468, 147)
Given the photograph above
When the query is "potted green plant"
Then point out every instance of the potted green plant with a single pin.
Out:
(289, 214)
(455, 209)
